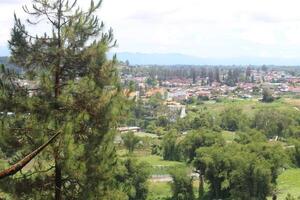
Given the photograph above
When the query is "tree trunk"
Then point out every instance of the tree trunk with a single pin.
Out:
(201, 186)
(58, 181)
(58, 176)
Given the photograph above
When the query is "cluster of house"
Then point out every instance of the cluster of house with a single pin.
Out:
(174, 91)
(178, 89)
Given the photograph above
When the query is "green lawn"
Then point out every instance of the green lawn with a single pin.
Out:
(160, 166)
(143, 134)
(163, 189)
(145, 156)
(158, 161)
(289, 182)
(158, 190)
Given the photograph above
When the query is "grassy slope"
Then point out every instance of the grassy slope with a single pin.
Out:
(159, 189)
(163, 189)
(289, 182)
(158, 161)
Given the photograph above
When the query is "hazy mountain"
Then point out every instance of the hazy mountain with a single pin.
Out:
(182, 59)
(5, 60)
(175, 59)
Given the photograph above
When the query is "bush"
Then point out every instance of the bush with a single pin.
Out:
(267, 95)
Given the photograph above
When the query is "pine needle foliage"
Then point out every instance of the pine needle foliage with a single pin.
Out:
(70, 87)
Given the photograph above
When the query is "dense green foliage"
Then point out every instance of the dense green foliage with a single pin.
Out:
(130, 141)
(233, 119)
(274, 122)
(182, 185)
(250, 174)
(199, 138)
(170, 147)
(134, 179)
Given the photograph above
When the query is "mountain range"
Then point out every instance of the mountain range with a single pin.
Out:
(5, 60)
(182, 59)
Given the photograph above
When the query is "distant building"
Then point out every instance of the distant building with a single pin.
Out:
(155, 91)
(177, 95)
(183, 113)
(294, 89)
(128, 129)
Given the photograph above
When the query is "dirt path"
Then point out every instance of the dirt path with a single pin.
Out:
(167, 177)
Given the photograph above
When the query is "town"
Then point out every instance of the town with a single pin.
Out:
(183, 85)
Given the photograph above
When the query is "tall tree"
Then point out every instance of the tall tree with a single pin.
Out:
(211, 77)
(171, 150)
(195, 140)
(246, 175)
(74, 90)
(194, 75)
(182, 185)
(217, 74)
(130, 141)
(267, 95)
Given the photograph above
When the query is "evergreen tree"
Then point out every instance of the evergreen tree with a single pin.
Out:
(230, 78)
(211, 77)
(74, 90)
(194, 75)
(248, 74)
(203, 72)
(217, 74)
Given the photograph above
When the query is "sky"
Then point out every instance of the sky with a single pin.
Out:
(202, 28)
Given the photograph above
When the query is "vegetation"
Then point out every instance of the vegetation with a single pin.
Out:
(267, 95)
(288, 183)
(182, 185)
(59, 131)
(171, 150)
(130, 141)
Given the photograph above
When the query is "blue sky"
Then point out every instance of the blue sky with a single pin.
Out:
(203, 28)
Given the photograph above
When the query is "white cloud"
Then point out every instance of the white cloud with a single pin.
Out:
(214, 28)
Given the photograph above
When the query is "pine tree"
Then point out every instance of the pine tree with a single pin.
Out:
(73, 89)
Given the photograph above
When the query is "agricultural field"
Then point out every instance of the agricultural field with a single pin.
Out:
(248, 106)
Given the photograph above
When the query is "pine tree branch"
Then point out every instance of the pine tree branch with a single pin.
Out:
(36, 172)
(22, 163)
